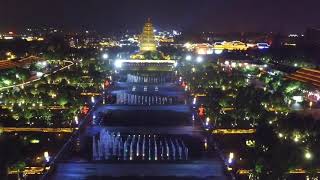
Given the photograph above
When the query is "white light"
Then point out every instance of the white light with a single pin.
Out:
(199, 59)
(298, 98)
(105, 56)
(39, 74)
(194, 100)
(118, 64)
(188, 57)
(76, 120)
(92, 99)
(218, 51)
(280, 135)
(227, 63)
(175, 64)
(46, 156)
(231, 156)
(207, 121)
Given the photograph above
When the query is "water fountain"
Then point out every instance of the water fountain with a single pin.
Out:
(115, 146)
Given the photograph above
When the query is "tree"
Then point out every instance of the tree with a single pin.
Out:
(62, 100)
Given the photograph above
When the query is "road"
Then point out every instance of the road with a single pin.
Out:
(37, 79)
(30, 129)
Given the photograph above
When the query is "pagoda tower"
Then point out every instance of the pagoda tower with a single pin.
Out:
(147, 39)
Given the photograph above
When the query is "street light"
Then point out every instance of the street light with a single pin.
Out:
(46, 156)
(76, 120)
(207, 121)
(308, 155)
(231, 156)
(188, 57)
(194, 101)
(199, 59)
(118, 64)
(105, 56)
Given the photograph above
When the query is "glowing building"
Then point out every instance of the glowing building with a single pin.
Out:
(147, 38)
(148, 47)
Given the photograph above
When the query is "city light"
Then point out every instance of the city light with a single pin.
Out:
(218, 51)
(46, 156)
(138, 79)
(39, 74)
(263, 46)
(188, 57)
(199, 59)
(194, 100)
(205, 144)
(207, 121)
(118, 63)
(105, 56)
(76, 120)
(308, 155)
(280, 135)
(231, 157)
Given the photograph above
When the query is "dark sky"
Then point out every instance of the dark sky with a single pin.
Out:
(189, 15)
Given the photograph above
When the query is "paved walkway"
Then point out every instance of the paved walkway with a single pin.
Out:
(78, 171)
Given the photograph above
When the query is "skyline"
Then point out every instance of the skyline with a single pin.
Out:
(207, 15)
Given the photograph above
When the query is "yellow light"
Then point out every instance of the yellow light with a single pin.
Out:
(308, 155)
(46, 154)
(34, 141)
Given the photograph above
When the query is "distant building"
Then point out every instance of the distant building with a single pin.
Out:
(312, 36)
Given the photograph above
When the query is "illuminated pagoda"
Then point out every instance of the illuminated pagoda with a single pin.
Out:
(148, 58)
(148, 45)
(147, 39)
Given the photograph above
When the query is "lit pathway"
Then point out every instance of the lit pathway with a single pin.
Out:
(44, 130)
(37, 79)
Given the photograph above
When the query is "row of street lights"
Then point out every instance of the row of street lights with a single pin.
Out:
(199, 59)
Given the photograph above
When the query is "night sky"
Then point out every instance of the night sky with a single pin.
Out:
(188, 15)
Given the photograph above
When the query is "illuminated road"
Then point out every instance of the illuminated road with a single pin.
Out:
(44, 130)
(234, 131)
(37, 79)
(7, 64)
(293, 171)
(173, 130)
(29, 170)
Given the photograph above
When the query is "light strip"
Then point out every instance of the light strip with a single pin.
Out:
(146, 61)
